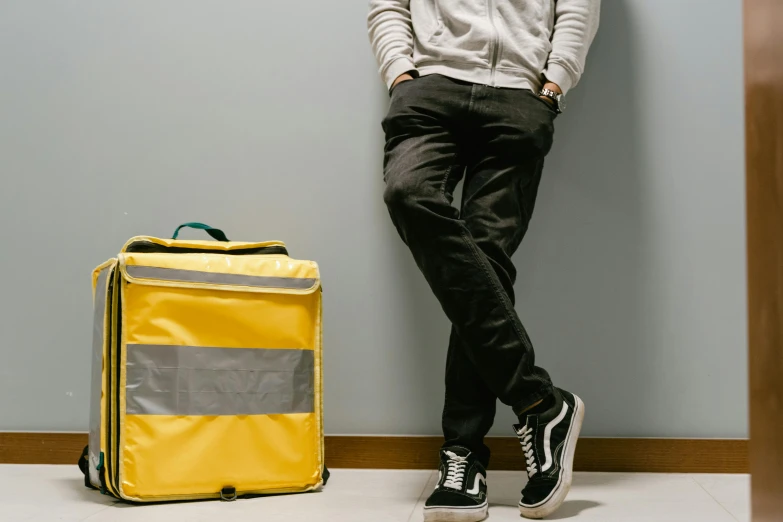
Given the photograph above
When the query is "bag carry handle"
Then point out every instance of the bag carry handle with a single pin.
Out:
(216, 233)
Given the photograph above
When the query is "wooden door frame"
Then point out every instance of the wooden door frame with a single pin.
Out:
(763, 34)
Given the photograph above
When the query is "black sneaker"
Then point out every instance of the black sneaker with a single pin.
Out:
(548, 440)
(461, 493)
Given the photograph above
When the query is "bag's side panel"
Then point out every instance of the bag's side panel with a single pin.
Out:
(218, 388)
(111, 375)
(100, 339)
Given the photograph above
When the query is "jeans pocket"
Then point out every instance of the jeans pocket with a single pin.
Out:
(397, 87)
(549, 105)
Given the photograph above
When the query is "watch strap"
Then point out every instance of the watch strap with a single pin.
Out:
(553, 95)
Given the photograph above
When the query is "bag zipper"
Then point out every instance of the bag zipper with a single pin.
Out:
(148, 247)
(108, 339)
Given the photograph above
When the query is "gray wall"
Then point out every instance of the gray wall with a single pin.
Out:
(126, 118)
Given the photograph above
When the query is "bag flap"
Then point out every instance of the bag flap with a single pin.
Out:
(222, 271)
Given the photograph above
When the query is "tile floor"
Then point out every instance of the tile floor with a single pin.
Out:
(51, 493)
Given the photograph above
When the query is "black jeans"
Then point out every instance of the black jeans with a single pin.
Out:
(437, 131)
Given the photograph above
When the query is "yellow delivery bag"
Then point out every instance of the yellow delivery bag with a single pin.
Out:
(206, 371)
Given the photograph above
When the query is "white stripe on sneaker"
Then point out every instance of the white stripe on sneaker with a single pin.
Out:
(528, 510)
(548, 436)
(479, 478)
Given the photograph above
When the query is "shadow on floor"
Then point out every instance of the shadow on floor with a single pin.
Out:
(76, 485)
(572, 508)
(569, 509)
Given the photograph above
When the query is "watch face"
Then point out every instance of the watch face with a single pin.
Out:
(561, 102)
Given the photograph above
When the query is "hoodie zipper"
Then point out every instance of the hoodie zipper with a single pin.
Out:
(495, 41)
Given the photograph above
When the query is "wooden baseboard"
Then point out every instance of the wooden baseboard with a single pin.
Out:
(592, 454)
(367, 452)
(41, 447)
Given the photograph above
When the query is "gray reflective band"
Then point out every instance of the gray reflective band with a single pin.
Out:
(193, 380)
(98, 319)
(194, 276)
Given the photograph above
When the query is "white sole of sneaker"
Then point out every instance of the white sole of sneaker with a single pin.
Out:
(558, 495)
(450, 514)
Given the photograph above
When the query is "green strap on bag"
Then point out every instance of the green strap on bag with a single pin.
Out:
(216, 233)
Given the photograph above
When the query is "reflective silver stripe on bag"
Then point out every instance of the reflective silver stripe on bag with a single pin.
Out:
(98, 319)
(194, 380)
(195, 276)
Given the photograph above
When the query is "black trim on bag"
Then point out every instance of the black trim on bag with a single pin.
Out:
(148, 247)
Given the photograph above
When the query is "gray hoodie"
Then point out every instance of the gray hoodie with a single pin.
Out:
(501, 43)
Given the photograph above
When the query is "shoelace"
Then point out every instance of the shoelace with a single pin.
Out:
(526, 439)
(455, 471)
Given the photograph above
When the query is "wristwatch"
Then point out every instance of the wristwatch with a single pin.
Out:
(558, 98)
